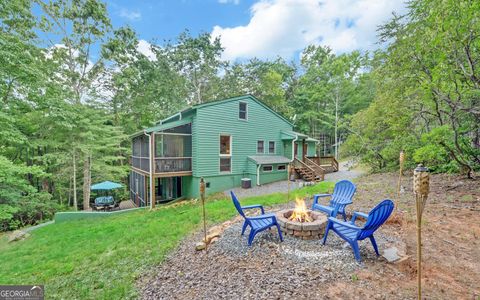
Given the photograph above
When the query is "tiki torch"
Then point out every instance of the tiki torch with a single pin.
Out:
(202, 197)
(421, 190)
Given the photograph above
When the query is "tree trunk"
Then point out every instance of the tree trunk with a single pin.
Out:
(75, 204)
(86, 183)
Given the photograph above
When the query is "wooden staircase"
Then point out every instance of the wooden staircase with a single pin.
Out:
(309, 171)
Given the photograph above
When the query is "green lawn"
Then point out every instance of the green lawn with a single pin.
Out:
(101, 258)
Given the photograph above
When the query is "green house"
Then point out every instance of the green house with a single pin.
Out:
(223, 142)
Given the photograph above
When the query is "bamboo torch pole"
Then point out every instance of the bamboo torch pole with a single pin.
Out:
(401, 160)
(421, 189)
(202, 197)
(288, 183)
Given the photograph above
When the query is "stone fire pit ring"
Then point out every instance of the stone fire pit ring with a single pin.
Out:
(306, 230)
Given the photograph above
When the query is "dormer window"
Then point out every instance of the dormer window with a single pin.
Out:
(242, 110)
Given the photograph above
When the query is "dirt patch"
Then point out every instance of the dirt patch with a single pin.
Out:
(451, 254)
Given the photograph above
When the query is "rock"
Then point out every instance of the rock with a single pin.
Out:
(200, 246)
(294, 225)
(18, 235)
(209, 238)
(403, 259)
(213, 240)
(212, 233)
(215, 231)
(391, 254)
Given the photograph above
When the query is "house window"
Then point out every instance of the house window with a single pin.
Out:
(242, 110)
(260, 147)
(225, 153)
(267, 168)
(225, 164)
(281, 168)
(271, 147)
(225, 145)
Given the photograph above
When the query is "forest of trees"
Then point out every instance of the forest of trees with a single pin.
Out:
(73, 88)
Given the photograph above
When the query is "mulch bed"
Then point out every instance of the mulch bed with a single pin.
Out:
(298, 269)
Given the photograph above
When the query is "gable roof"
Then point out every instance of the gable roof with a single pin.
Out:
(211, 103)
(177, 117)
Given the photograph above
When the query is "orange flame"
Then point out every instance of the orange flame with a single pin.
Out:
(300, 213)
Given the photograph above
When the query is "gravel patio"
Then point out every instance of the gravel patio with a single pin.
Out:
(270, 269)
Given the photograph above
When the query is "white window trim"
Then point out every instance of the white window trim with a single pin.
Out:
(263, 146)
(263, 168)
(219, 164)
(231, 144)
(246, 111)
(285, 166)
(274, 147)
(225, 155)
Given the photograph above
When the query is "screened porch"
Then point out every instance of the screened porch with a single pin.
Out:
(172, 148)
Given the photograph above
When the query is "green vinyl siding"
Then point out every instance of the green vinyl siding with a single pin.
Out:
(287, 149)
(311, 150)
(299, 149)
(213, 120)
(274, 175)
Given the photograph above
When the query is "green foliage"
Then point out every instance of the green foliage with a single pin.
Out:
(7, 220)
(20, 203)
(427, 88)
(119, 247)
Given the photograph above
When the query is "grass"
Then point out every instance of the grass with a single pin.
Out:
(102, 258)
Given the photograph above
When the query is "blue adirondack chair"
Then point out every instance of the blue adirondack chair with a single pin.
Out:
(342, 196)
(352, 233)
(257, 223)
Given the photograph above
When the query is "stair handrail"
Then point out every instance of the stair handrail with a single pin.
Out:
(318, 169)
(304, 165)
(310, 168)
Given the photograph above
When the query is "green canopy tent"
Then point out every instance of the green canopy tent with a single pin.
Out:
(107, 201)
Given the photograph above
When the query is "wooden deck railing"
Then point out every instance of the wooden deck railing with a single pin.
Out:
(319, 171)
(163, 164)
(325, 161)
(173, 164)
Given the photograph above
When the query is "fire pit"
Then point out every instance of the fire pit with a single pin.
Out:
(302, 222)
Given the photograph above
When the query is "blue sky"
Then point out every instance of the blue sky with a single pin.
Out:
(159, 20)
(264, 29)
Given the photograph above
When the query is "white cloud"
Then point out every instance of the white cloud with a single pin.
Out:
(236, 2)
(145, 48)
(283, 27)
(132, 15)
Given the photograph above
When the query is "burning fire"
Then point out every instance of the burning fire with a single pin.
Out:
(300, 213)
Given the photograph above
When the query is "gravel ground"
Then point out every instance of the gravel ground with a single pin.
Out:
(270, 269)
(274, 187)
(345, 172)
